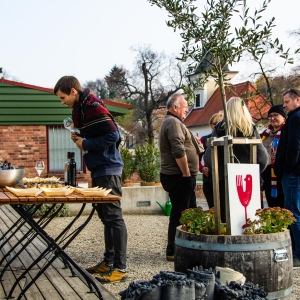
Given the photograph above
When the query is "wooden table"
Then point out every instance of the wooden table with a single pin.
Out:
(55, 246)
(7, 197)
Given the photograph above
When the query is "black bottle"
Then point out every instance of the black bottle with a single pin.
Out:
(72, 170)
(4, 166)
(66, 169)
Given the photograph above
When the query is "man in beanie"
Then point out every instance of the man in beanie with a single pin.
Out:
(270, 138)
(287, 164)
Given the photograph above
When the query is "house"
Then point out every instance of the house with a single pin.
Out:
(31, 128)
(208, 102)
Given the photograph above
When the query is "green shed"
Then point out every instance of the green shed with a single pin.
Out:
(31, 127)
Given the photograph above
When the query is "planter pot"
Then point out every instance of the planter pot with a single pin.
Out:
(127, 184)
(264, 259)
(143, 183)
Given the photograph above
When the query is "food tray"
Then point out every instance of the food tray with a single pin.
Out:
(24, 192)
(65, 191)
(40, 179)
(96, 191)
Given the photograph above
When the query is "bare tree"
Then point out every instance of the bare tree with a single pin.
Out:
(98, 87)
(155, 77)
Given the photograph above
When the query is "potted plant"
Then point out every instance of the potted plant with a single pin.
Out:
(263, 252)
(128, 168)
(147, 163)
(269, 220)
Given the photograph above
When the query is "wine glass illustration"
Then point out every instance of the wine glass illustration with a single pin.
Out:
(244, 196)
(39, 166)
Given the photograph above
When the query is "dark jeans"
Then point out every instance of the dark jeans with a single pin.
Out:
(291, 189)
(182, 196)
(115, 231)
(208, 192)
(272, 201)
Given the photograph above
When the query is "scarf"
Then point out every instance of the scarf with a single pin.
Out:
(275, 141)
(91, 116)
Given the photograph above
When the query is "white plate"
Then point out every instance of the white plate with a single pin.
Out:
(96, 191)
(65, 191)
(24, 192)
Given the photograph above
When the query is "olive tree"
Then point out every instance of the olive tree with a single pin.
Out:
(210, 40)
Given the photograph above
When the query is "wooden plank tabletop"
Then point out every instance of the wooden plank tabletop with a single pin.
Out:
(7, 197)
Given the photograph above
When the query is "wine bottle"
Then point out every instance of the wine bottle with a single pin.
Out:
(72, 170)
(66, 169)
(4, 166)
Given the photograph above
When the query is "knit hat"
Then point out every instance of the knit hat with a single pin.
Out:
(278, 108)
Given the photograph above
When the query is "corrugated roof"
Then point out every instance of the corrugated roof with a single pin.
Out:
(48, 90)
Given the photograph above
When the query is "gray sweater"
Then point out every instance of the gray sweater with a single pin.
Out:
(174, 142)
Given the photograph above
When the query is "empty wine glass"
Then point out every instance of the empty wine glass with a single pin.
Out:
(68, 123)
(39, 166)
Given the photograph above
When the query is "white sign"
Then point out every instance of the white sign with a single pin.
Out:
(244, 194)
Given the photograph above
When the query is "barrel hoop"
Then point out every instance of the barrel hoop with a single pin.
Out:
(231, 247)
(280, 294)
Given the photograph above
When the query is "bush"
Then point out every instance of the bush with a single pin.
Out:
(128, 168)
(147, 162)
(64, 212)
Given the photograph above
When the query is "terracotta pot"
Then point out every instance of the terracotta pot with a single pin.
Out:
(148, 183)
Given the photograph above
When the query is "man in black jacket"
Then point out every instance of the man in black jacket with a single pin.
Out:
(287, 164)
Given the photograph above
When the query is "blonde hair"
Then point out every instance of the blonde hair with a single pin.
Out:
(239, 117)
(215, 118)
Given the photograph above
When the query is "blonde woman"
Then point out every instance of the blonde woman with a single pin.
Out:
(240, 124)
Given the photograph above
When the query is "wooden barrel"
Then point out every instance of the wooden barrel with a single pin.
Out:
(264, 259)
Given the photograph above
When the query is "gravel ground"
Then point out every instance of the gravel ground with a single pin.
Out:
(146, 248)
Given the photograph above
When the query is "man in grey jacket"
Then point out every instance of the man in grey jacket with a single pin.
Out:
(179, 164)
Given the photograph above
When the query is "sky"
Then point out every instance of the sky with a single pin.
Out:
(42, 41)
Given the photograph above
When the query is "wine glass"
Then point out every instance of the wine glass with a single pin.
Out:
(68, 123)
(39, 166)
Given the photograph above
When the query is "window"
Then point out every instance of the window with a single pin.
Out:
(198, 100)
(59, 143)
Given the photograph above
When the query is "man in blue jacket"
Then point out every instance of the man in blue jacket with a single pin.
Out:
(99, 138)
(287, 164)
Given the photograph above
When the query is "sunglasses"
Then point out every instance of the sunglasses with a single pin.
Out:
(273, 116)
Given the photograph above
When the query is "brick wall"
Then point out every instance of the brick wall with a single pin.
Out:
(24, 145)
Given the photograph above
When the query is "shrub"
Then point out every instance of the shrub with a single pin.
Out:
(147, 162)
(64, 212)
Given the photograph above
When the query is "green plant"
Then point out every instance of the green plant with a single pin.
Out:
(199, 221)
(269, 220)
(147, 162)
(64, 212)
(128, 168)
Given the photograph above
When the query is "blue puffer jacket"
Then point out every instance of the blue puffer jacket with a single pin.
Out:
(288, 151)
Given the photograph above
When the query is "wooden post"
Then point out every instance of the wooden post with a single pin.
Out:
(216, 187)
